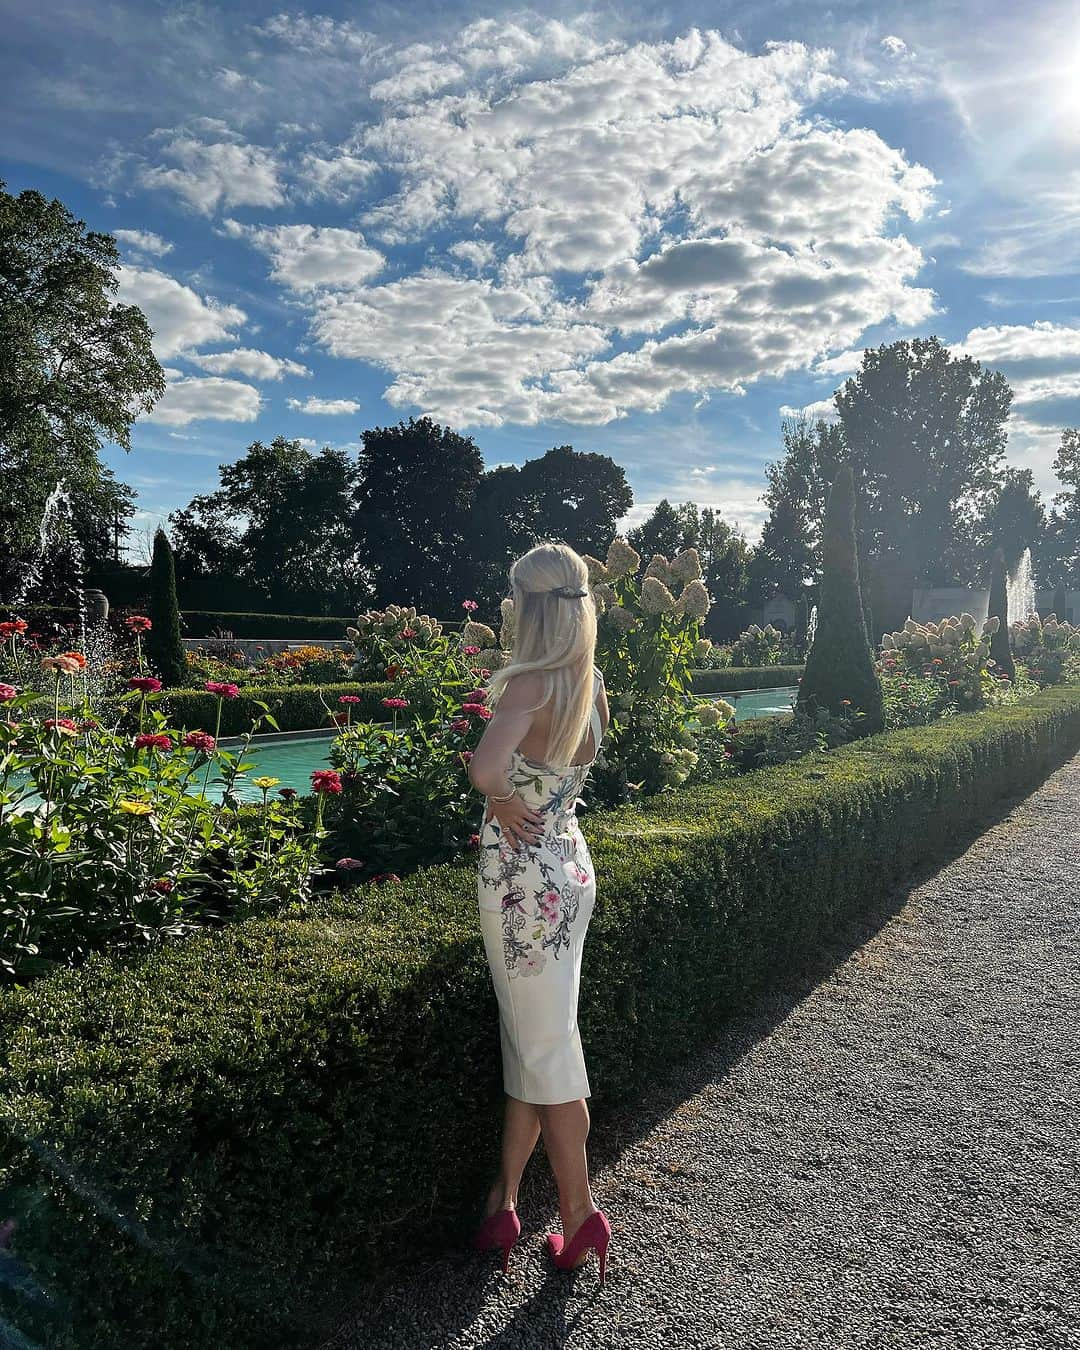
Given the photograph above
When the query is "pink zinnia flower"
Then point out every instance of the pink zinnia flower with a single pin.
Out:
(222, 690)
(465, 756)
(349, 698)
(470, 651)
(326, 780)
(348, 864)
(475, 696)
(137, 623)
(395, 703)
(474, 841)
(407, 633)
(163, 886)
(469, 605)
(150, 740)
(287, 794)
(477, 710)
(145, 684)
(200, 740)
(7, 691)
(13, 626)
(460, 724)
(64, 724)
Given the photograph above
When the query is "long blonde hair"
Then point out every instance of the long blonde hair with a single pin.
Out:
(555, 636)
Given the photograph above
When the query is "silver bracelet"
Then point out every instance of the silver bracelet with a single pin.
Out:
(511, 793)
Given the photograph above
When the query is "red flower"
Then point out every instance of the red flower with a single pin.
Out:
(163, 886)
(349, 698)
(381, 877)
(77, 657)
(408, 633)
(460, 724)
(470, 651)
(200, 740)
(287, 794)
(13, 626)
(348, 864)
(137, 623)
(475, 696)
(465, 756)
(145, 684)
(326, 780)
(469, 605)
(395, 703)
(149, 740)
(392, 672)
(64, 724)
(89, 725)
(474, 841)
(222, 690)
(477, 710)
(340, 719)
(7, 691)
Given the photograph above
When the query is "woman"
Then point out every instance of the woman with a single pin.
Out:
(536, 890)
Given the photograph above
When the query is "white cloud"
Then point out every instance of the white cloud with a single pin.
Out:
(337, 176)
(327, 407)
(210, 176)
(193, 398)
(671, 190)
(179, 317)
(843, 363)
(144, 241)
(894, 46)
(307, 257)
(257, 365)
(823, 408)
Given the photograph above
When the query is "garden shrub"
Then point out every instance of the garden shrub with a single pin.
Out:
(296, 707)
(745, 677)
(998, 609)
(216, 1144)
(839, 665)
(199, 623)
(163, 644)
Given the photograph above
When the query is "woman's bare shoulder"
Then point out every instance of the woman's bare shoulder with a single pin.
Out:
(523, 690)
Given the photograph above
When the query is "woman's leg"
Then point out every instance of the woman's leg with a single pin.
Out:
(521, 1130)
(566, 1127)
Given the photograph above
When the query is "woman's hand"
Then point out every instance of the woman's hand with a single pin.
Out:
(520, 824)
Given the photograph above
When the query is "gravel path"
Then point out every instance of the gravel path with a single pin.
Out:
(883, 1154)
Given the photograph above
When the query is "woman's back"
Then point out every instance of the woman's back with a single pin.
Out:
(533, 746)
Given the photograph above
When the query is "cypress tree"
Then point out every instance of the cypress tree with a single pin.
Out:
(840, 664)
(163, 645)
(1060, 602)
(1000, 650)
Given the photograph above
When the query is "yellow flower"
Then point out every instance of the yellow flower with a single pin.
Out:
(266, 783)
(136, 808)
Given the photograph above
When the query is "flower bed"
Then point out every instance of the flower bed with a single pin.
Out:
(213, 1145)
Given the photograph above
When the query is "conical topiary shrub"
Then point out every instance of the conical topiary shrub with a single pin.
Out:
(163, 644)
(1000, 649)
(839, 673)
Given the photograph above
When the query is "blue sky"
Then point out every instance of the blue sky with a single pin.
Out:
(645, 231)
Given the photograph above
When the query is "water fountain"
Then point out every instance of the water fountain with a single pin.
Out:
(811, 628)
(1021, 589)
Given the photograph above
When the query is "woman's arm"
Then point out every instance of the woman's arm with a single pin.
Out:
(509, 724)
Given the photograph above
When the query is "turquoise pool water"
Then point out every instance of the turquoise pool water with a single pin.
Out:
(293, 761)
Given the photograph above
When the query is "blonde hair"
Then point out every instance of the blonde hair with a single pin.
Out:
(555, 637)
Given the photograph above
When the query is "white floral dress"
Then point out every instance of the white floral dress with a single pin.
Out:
(535, 906)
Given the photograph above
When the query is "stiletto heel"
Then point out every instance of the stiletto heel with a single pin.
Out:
(593, 1235)
(501, 1229)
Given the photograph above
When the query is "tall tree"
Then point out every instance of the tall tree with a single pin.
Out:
(416, 504)
(840, 665)
(1062, 565)
(281, 523)
(1000, 646)
(76, 369)
(1015, 517)
(164, 646)
(661, 532)
(925, 433)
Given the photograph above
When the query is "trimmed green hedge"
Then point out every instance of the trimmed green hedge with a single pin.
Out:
(295, 707)
(216, 1144)
(201, 623)
(745, 677)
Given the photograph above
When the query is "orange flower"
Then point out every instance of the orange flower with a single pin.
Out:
(77, 657)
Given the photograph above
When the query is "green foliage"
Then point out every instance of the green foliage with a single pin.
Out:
(77, 370)
(766, 646)
(298, 707)
(163, 644)
(839, 665)
(217, 1144)
(1000, 650)
(1049, 649)
(952, 655)
(107, 843)
(744, 677)
(199, 623)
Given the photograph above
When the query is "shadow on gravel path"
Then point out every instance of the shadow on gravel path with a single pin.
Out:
(879, 1153)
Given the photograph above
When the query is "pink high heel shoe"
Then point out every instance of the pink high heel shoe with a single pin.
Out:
(501, 1229)
(593, 1235)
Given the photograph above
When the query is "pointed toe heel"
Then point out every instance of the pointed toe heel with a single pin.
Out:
(501, 1229)
(593, 1235)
